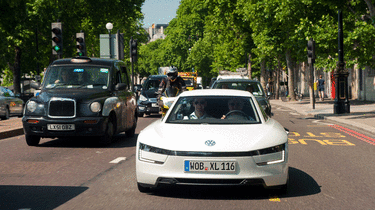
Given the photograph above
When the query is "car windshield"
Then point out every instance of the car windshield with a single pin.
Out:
(77, 77)
(188, 81)
(152, 84)
(252, 87)
(214, 110)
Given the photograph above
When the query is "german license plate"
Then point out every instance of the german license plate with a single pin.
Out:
(210, 166)
(154, 105)
(61, 127)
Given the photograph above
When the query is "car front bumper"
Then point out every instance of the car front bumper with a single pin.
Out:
(84, 126)
(247, 173)
(148, 107)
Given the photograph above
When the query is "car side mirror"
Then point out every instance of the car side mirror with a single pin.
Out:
(121, 86)
(35, 85)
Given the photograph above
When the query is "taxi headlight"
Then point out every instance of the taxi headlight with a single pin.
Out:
(31, 106)
(95, 107)
(271, 155)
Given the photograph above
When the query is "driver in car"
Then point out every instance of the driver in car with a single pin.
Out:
(235, 106)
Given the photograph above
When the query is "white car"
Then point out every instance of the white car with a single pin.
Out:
(245, 148)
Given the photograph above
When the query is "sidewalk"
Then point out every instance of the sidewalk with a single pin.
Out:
(11, 127)
(361, 116)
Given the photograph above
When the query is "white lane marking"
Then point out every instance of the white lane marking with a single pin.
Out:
(117, 160)
(293, 113)
(320, 122)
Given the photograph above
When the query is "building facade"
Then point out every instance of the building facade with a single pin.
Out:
(156, 31)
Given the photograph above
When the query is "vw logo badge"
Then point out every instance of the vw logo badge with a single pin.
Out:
(210, 143)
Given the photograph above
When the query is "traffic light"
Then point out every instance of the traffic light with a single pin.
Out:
(133, 50)
(57, 39)
(81, 46)
(311, 51)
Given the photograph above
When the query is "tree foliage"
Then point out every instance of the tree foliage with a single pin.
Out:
(25, 28)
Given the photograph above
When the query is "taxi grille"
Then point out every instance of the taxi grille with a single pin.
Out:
(62, 108)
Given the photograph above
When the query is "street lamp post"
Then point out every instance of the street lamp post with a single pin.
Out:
(341, 104)
(109, 27)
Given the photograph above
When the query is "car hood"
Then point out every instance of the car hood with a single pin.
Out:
(149, 93)
(229, 138)
(78, 94)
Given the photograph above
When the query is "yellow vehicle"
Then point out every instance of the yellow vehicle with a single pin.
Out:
(190, 79)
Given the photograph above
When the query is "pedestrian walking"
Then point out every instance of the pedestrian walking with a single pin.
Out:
(321, 88)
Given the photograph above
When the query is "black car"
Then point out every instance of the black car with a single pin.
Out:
(147, 101)
(82, 97)
(252, 86)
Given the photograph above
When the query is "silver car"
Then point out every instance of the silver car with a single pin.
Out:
(10, 105)
(251, 86)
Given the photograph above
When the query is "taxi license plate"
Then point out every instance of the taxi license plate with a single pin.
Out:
(61, 127)
(154, 105)
(210, 166)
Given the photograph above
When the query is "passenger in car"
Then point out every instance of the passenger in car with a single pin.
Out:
(199, 105)
(224, 86)
(250, 89)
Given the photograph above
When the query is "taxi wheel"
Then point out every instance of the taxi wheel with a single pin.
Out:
(131, 131)
(32, 140)
(7, 114)
(108, 135)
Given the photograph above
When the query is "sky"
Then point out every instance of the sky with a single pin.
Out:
(159, 11)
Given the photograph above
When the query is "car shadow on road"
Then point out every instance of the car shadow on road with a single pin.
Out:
(119, 141)
(300, 184)
(36, 197)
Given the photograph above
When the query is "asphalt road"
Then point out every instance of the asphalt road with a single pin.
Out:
(331, 167)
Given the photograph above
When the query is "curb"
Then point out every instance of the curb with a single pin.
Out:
(11, 133)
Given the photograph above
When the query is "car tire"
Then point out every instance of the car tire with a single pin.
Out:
(106, 139)
(143, 189)
(140, 114)
(7, 114)
(32, 140)
(131, 131)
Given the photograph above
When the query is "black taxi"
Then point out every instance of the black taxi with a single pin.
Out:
(82, 96)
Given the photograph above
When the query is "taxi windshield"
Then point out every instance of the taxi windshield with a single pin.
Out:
(214, 110)
(76, 77)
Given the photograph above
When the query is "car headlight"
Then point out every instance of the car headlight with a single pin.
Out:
(152, 154)
(142, 98)
(271, 155)
(34, 108)
(31, 106)
(95, 107)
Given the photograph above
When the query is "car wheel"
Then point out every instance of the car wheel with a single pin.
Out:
(32, 140)
(140, 114)
(108, 134)
(131, 131)
(143, 189)
(7, 114)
